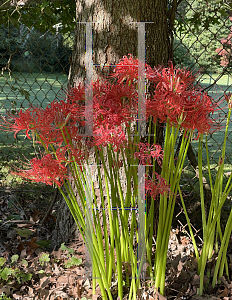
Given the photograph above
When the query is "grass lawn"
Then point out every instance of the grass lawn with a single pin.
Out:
(43, 89)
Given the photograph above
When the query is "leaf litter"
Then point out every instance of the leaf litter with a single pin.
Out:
(36, 272)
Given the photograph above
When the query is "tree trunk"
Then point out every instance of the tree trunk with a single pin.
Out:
(115, 34)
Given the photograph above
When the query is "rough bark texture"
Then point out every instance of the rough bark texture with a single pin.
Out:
(115, 35)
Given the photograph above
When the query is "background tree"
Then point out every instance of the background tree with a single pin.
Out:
(199, 27)
(225, 50)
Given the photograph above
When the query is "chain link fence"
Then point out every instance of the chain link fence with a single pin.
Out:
(202, 42)
(34, 67)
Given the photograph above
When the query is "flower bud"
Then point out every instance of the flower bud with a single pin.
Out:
(228, 98)
(220, 162)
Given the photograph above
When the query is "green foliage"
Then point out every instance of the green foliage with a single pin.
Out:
(47, 52)
(200, 14)
(44, 243)
(44, 258)
(10, 44)
(2, 261)
(4, 297)
(14, 258)
(200, 25)
(11, 271)
(28, 50)
(25, 232)
(41, 15)
(73, 261)
(64, 248)
(182, 55)
(5, 273)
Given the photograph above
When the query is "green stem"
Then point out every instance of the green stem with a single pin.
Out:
(189, 225)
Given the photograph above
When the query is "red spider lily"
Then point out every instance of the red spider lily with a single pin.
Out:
(157, 185)
(113, 135)
(228, 97)
(147, 151)
(54, 136)
(127, 69)
(173, 79)
(74, 95)
(68, 154)
(76, 155)
(113, 103)
(176, 101)
(28, 120)
(47, 170)
(62, 113)
(47, 122)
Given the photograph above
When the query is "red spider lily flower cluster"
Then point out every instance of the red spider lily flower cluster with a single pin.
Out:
(106, 135)
(228, 98)
(176, 100)
(156, 186)
(48, 122)
(46, 170)
(113, 103)
(127, 70)
(147, 151)
(60, 126)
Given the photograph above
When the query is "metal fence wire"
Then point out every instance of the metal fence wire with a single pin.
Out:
(34, 67)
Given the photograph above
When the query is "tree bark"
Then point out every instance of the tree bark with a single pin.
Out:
(115, 34)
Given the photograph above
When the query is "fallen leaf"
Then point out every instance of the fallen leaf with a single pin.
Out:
(184, 241)
(61, 295)
(56, 271)
(57, 254)
(158, 296)
(23, 232)
(43, 294)
(44, 281)
(20, 247)
(224, 293)
(7, 290)
(127, 268)
(62, 279)
(36, 215)
(50, 218)
(32, 244)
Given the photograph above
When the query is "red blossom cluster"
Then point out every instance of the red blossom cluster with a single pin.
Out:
(47, 170)
(177, 101)
(60, 126)
(147, 151)
(157, 185)
(225, 51)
